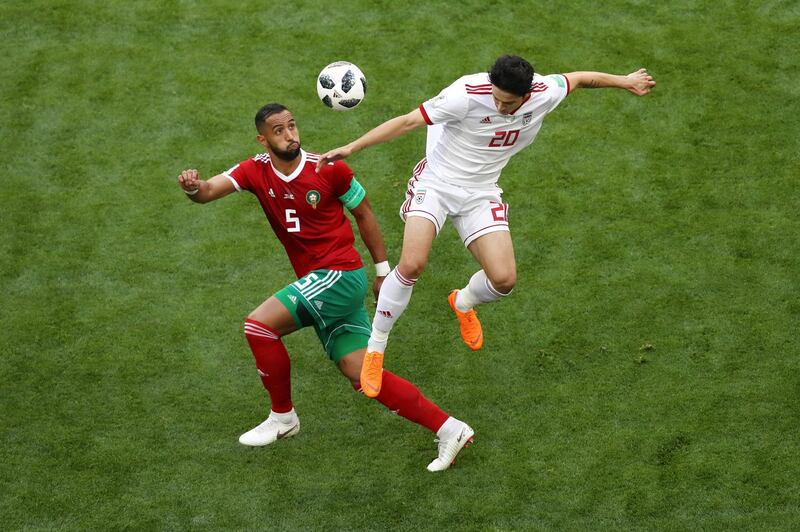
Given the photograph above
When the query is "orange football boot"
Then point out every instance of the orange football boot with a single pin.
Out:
(468, 322)
(372, 373)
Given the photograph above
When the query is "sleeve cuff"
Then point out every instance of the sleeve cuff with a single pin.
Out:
(232, 180)
(425, 114)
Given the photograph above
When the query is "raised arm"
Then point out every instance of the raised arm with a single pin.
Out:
(200, 191)
(373, 239)
(391, 129)
(639, 82)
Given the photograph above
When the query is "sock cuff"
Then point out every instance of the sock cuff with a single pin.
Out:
(256, 328)
(448, 427)
(404, 280)
(494, 290)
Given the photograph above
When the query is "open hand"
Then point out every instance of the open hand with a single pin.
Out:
(333, 155)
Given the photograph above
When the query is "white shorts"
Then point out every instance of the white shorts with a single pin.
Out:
(474, 211)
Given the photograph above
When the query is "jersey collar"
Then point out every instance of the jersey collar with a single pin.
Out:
(290, 177)
(527, 97)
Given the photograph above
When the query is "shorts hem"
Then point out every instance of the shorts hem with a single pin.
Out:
(354, 338)
(485, 231)
(423, 214)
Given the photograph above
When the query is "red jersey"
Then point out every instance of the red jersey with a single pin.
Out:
(304, 210)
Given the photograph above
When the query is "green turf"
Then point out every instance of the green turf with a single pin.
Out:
(644, 374)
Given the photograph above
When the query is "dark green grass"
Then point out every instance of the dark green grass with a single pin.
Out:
(643, 375)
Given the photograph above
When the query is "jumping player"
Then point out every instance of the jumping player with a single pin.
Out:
(477, 124)
(306, 211)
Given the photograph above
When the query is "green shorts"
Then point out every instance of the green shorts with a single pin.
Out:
(333, 302)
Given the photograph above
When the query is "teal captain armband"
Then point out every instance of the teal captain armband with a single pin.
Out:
(352, 198)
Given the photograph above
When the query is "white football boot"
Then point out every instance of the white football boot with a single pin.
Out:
(276, 427)
(453, 436)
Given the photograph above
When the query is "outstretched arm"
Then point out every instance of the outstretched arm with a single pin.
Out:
(385, 132)
(373, 239)
(200, 191)
(639, 82)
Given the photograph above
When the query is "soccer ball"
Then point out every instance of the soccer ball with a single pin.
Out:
(341, 86)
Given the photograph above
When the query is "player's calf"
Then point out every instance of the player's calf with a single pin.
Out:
(272, 362)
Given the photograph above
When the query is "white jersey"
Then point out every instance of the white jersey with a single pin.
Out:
(469, 141)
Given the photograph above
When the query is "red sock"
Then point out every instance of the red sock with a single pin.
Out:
(272, 362)
(399, 395)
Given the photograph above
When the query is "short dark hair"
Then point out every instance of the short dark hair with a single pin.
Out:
(513, 74)
(267, 111)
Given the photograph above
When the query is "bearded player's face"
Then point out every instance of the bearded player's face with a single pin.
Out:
(280, 136)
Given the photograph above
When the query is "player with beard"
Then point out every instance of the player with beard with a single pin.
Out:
(306, 211)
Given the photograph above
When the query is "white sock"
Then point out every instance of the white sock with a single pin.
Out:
(377, 340)
(392, 302)
(478, 290)
(284, 417)
(449, 428)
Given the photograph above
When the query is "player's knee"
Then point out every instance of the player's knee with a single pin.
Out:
(350, 366)
(411, 267)
(256, 315)
(504, 282)
(256, 329)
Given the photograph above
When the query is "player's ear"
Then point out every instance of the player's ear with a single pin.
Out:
(262, 140)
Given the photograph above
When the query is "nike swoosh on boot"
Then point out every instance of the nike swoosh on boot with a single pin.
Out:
(282, 435)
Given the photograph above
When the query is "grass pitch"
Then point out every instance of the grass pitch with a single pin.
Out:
(644, 375)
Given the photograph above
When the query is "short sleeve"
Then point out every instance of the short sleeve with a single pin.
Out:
(450, 105)
(240, 175)
(340, 176)
(555, 86)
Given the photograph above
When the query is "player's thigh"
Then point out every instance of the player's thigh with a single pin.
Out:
(495, 253)
(338, 312)
(287, 309)
(335, 295)
(346, 337)
(418, 240)
(275, 315)
(481, 212)
(426, 198)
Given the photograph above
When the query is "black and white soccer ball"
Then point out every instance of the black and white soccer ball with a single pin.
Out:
(341, 86)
